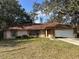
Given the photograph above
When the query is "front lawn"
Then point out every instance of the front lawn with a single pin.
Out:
(38, 48)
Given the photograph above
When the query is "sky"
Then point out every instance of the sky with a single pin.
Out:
(28, 4)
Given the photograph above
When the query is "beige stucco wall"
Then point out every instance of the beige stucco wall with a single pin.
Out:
(7, 35)
(51, 33)
(20, 33)
(77, 31)
(42, 33)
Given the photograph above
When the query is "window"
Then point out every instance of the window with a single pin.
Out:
(13, 33)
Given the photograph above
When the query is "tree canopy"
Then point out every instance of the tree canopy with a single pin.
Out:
(60, 8)
(11, 13)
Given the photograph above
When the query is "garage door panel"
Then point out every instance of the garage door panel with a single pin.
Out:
(64, 33)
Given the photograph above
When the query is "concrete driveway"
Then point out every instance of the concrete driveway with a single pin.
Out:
(74, 41)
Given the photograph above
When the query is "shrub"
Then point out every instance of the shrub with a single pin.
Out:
(18, 37)
(25, 36)
(22, 37)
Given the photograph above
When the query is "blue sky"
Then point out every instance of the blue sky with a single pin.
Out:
(28, 4)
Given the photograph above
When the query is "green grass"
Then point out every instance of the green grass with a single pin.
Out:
(38, 48)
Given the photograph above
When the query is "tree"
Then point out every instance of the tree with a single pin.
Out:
(60, 7)
(12, 13)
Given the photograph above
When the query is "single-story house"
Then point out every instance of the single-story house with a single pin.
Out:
(48, 30)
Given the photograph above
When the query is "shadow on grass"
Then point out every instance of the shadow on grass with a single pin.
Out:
(14, 42)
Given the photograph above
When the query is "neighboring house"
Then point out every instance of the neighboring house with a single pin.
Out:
(48, 30)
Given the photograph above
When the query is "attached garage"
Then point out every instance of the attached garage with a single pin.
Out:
(64, 33)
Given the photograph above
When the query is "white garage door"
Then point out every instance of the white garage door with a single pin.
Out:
(64, 33)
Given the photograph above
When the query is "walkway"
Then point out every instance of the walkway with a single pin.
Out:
(74, 41)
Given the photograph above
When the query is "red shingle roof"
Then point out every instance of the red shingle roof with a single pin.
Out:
(34, 27)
